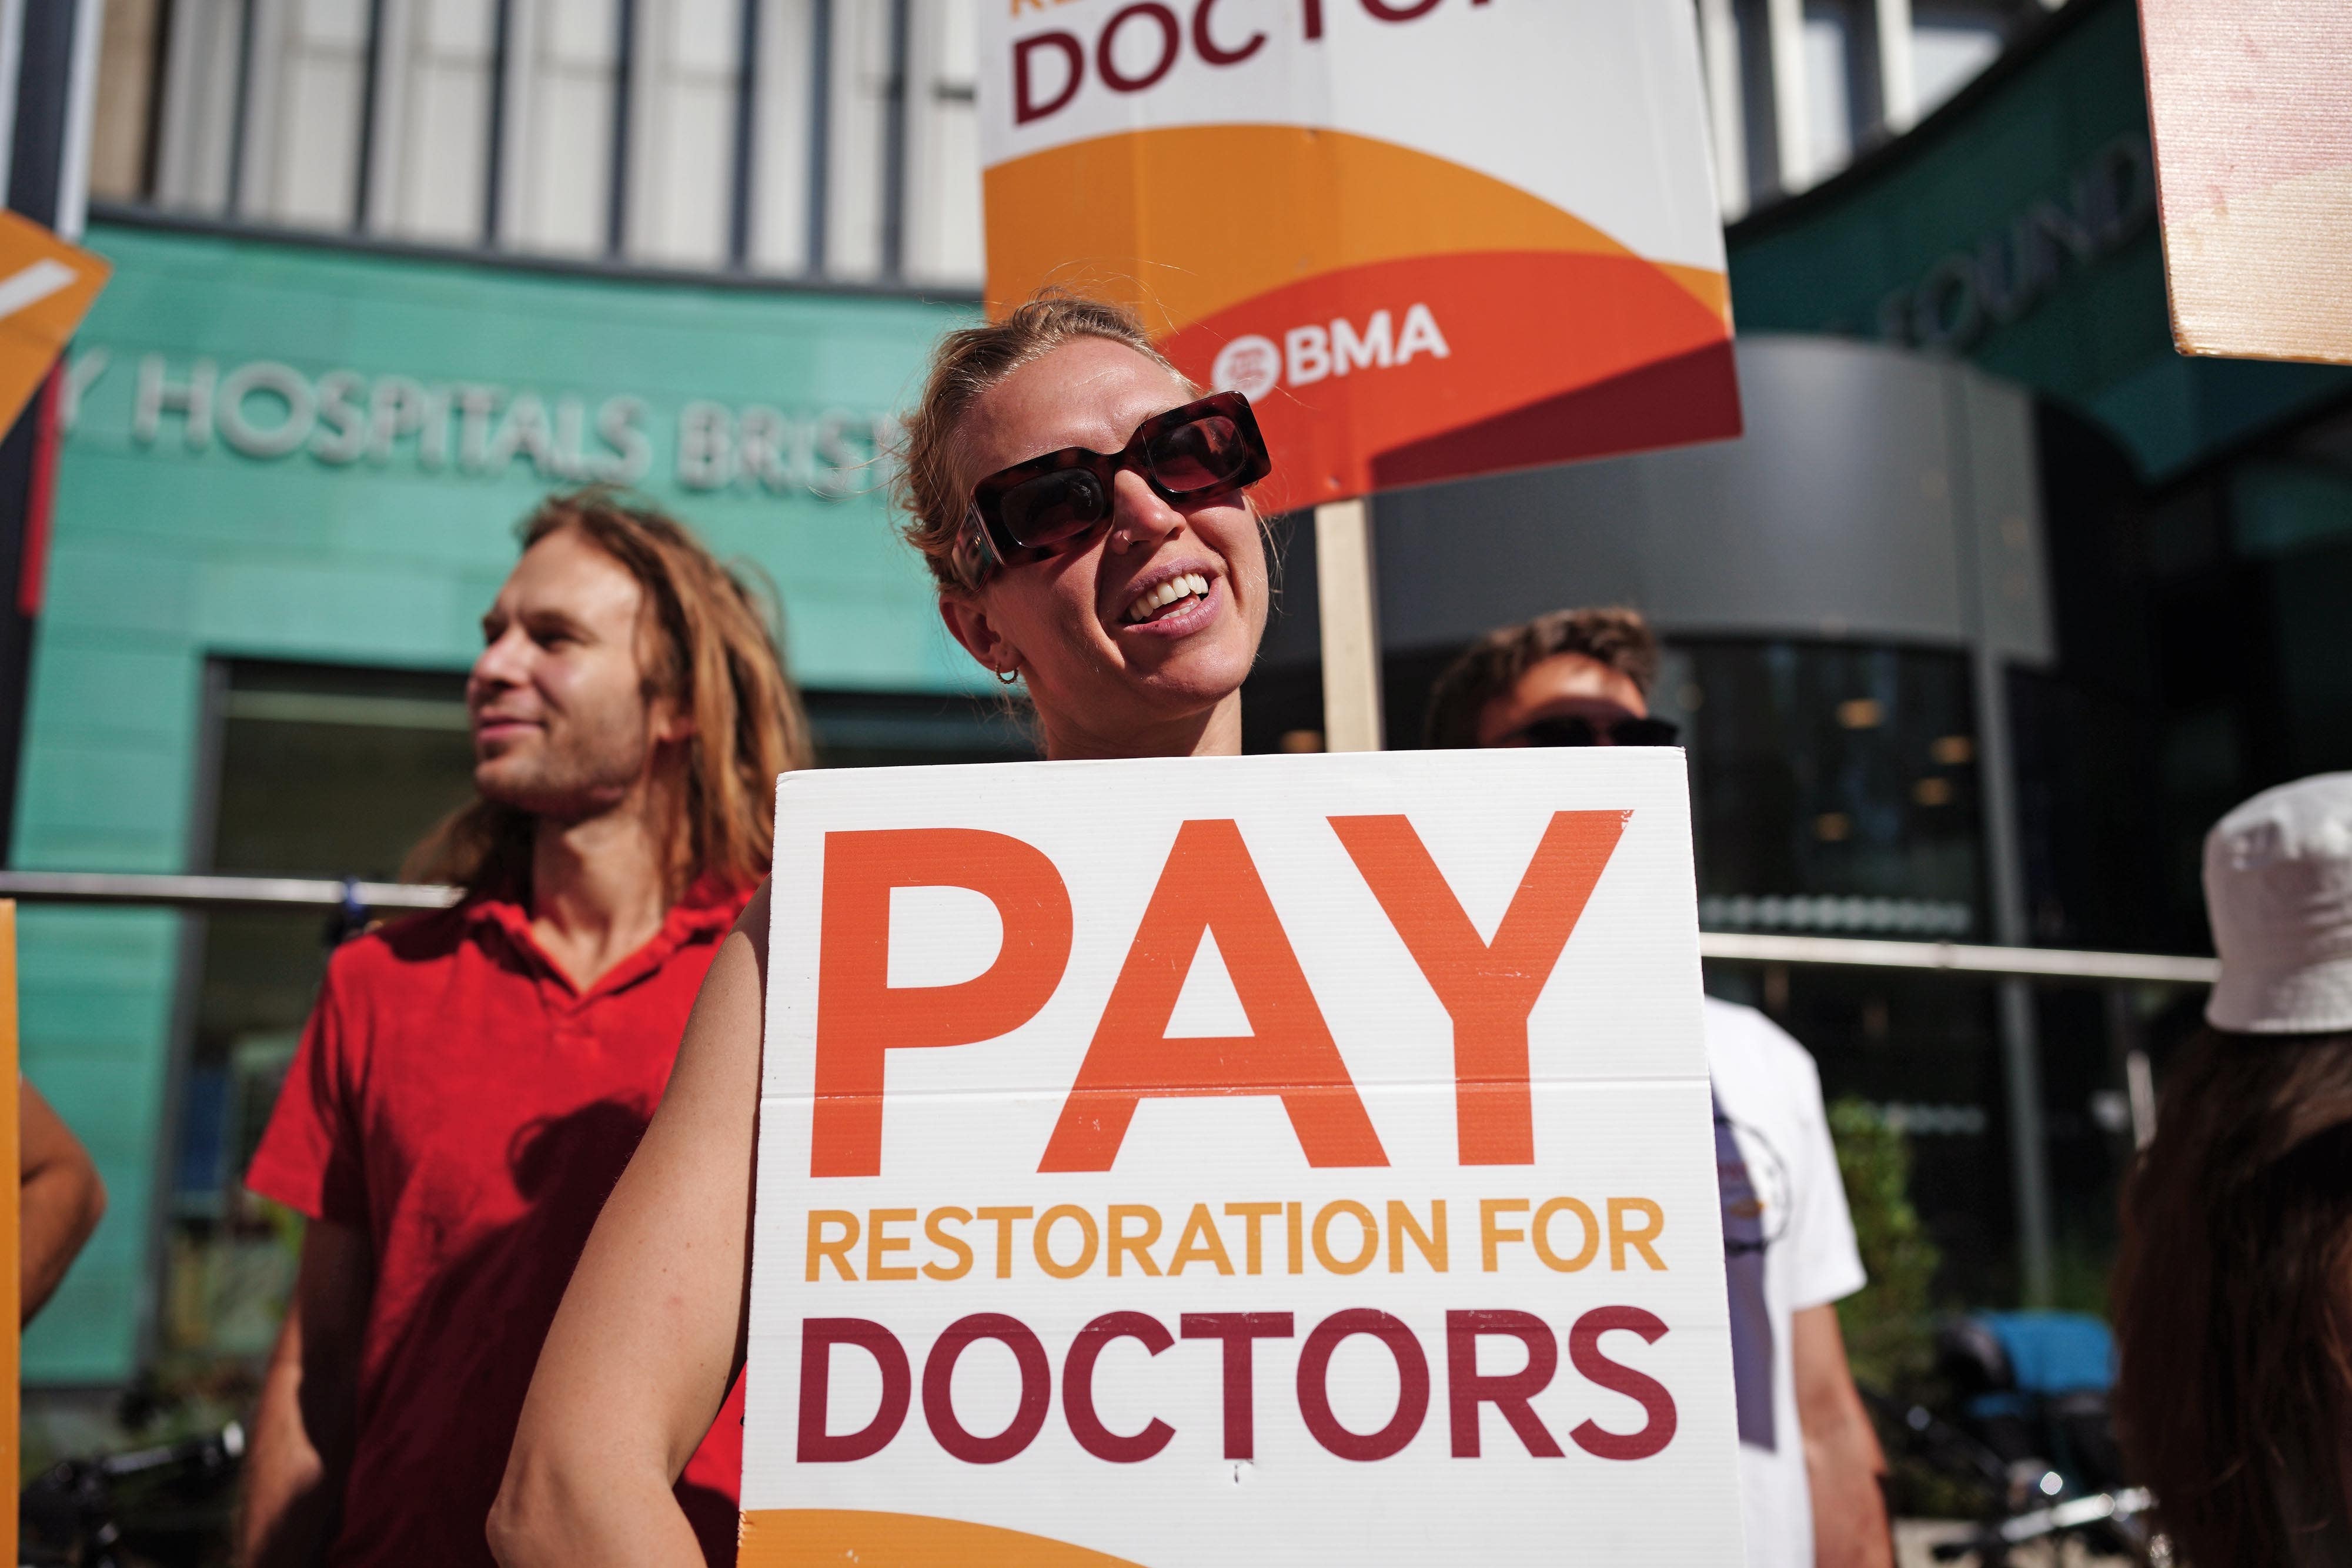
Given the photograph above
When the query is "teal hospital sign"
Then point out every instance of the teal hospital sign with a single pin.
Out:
(295, 452)
(267, 410)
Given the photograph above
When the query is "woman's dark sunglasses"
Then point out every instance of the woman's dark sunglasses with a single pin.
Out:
(1060, 501)
(1578, 730)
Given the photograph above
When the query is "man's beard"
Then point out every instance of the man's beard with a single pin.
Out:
(585, 774)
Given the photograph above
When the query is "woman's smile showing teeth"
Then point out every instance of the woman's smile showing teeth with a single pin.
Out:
(1167, 598)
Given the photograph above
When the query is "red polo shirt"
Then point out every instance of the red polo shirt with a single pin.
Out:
(466, 1104)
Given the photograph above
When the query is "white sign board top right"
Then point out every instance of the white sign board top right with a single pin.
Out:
(1272, 1160)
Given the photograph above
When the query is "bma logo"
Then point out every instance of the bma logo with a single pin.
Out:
(1253, 365)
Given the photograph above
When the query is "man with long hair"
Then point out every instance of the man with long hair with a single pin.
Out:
(472, 1082)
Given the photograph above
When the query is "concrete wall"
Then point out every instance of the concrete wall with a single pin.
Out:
(1878, 495)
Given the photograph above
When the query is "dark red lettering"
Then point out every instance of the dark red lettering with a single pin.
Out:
(1205, 44)
(1315, 1394)
(1467, 1388)
(1237, 1330)
(1657, 1404)
(818, 1336)
(939, 1388)
(1025, 105)
(1078, 1387)
(1388, 13)
(1314, 19)
(1171, 43)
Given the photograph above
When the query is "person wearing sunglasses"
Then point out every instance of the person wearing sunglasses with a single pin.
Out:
(1810, 1467)
(1084, 511)
(1085, 514)
(1574, 677)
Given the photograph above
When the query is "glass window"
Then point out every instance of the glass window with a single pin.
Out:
(1719, 60)
(784, 112)
(682, 129)
(943, 186)
(321, 772)
(1834, 794)
(195, 142)
(310, 81)
(444, 125)
(326, 771)
(1833, 788)
(1948, 49)
(558, 189)
(1828, 52)
(1924, 1050)
(1758, 124)
(858, 138)
(121, 135)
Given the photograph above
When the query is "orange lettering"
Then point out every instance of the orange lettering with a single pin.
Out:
(860, 1015)
(879, 1241)
(833, 1249)
(1139, 1246)
(1250, 1213)
(935, 1227)
(1211, 884)
(1432, 1242)
(1201, 1243)
(1487, 989)
(1623, 1233)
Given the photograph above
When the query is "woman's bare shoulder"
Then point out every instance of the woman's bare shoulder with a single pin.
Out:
(753, 921)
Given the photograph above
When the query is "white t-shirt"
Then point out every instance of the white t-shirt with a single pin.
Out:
(1787, 1245)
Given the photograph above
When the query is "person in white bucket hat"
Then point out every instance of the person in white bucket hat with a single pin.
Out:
(2233, 1288)
(2278, 889)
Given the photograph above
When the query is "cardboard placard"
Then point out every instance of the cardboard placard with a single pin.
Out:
(2250, 112)
(1277, 1160)
(46, 287)
(1430, 238)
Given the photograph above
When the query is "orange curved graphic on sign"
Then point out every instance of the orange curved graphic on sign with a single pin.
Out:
(1287, 204)
(1497, 380)
(829, 1537)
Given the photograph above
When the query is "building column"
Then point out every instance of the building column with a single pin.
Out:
(506, 207)
(1989, 637)
(384, 137)
(2020, 1042)
(1718, 42)
(1793, 120)
(1898, 91)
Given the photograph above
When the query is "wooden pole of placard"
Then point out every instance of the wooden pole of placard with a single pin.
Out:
(11, 1239)
(1346, 598)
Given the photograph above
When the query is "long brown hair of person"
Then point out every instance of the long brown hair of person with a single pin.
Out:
(713, 652)
(2230, 1295)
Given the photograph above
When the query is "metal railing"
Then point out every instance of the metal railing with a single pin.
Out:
(1961, 957)
(293, 894)
(2011, 968)
(219, 892)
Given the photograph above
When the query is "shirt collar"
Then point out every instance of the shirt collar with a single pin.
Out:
(710, 905)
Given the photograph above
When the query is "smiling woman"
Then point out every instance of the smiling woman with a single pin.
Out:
(1131, 595)
(1084, 512)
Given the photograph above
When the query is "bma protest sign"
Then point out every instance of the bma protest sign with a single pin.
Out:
(46, 285)
(1176, 1163)
(1428, 238)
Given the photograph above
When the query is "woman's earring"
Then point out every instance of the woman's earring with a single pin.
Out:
(1009, 677)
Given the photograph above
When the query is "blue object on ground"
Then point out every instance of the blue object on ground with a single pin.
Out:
(2055, 1352)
